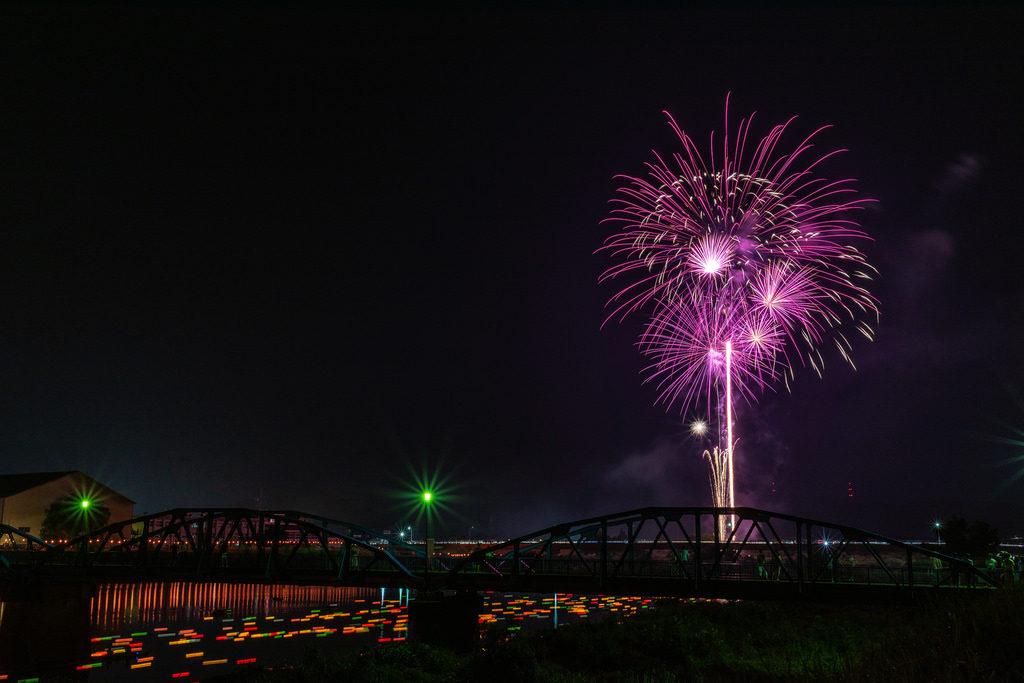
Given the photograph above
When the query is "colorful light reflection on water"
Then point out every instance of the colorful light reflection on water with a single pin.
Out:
(188, 632)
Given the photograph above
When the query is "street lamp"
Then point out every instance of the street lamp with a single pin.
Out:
(428, 541)
(82, 517)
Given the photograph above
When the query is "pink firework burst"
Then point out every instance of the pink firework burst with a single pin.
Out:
(686, 344)
(750, 246)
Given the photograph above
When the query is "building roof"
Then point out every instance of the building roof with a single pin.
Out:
(13, 484)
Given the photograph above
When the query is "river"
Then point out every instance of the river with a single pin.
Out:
(142, 632)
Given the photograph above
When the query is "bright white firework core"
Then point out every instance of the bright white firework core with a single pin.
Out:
(711, 254)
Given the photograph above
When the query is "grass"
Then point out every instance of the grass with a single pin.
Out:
(952, 637)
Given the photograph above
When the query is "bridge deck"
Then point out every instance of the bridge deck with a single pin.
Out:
(732, 553)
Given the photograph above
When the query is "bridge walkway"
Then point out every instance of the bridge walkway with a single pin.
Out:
(728, 553)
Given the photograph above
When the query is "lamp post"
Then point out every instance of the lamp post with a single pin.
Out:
(428, 541)
(83, 516)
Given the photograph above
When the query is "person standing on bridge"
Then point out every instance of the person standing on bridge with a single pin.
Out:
(760, 564)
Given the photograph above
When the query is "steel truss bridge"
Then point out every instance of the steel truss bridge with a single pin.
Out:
(699, 552)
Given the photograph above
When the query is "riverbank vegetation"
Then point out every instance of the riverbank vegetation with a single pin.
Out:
(953, 637)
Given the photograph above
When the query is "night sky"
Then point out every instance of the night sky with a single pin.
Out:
(304, 258)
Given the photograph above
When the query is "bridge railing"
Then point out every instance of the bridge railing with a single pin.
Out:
(742, 571)
(709, 545)
(702, 546)
(208, 542)
(19, 547)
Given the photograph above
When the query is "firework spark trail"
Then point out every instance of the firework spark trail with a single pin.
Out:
(753, 254)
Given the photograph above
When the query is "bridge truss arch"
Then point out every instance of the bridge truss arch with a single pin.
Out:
(17, 546)
(240, 544)
(11, 537)
(707, 552)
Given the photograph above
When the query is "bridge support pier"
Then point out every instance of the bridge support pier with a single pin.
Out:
(60, 609)
(450, 621)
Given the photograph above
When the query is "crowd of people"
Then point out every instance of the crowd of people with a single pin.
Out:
(1004, 565)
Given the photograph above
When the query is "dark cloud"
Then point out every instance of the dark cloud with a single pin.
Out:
(959, 173)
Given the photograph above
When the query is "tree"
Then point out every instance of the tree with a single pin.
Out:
(73, 516)
(977, 538)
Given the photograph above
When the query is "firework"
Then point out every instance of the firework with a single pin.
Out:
(743, 265)
(698, 428)
(718, 472)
